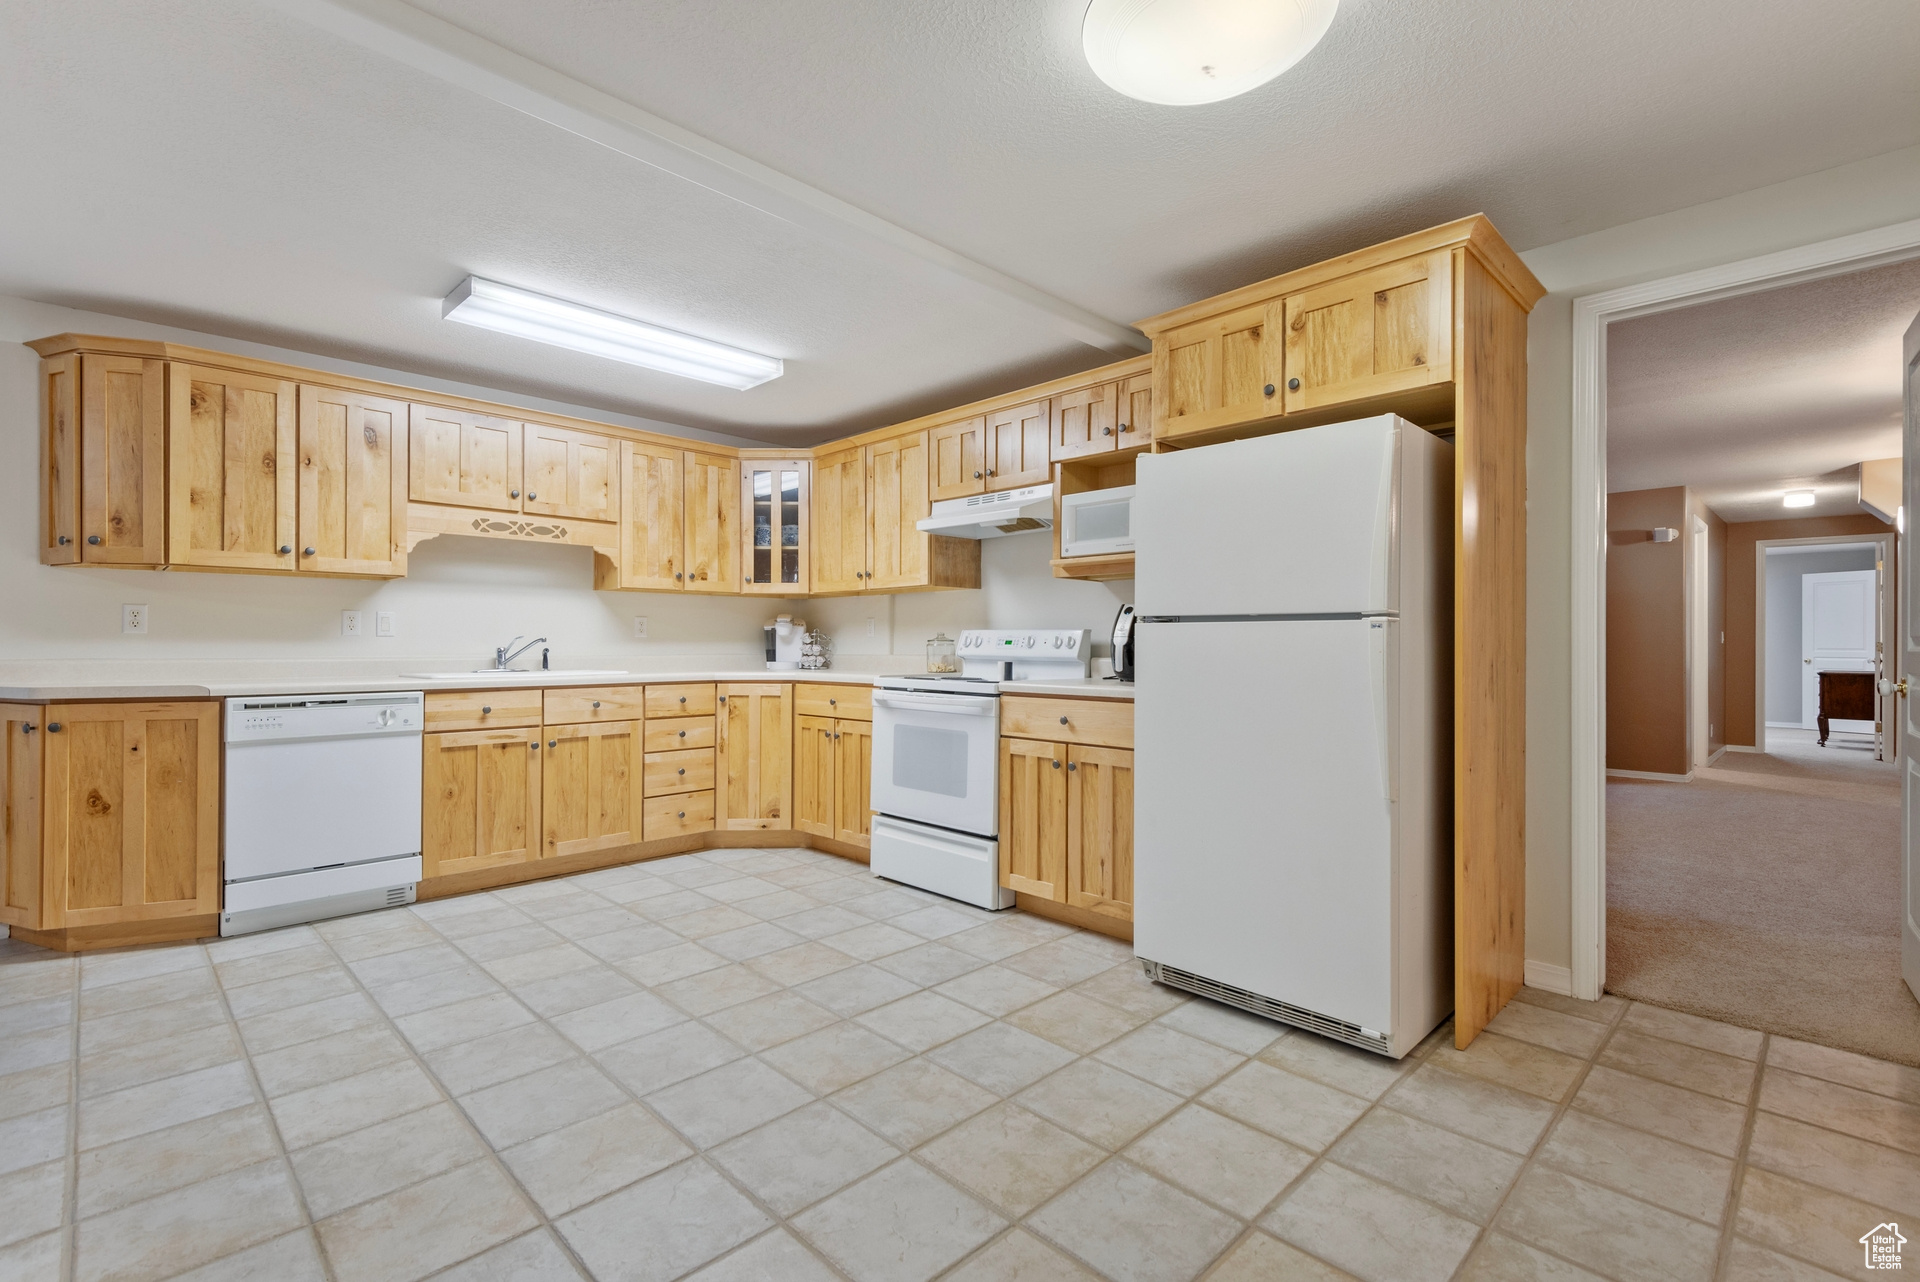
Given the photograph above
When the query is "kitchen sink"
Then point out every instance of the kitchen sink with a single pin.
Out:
(515, 674)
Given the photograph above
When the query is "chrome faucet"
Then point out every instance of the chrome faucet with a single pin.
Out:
(503, 655)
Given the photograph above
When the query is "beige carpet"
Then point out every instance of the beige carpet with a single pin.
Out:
(1766, 893)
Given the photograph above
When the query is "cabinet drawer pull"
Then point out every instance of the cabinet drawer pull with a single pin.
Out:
(486, 709)
(94, 539)
(683, 734)
(682, 814)
(833, 703)
(683, 770)
(1293, 385)
(1063, 721)
(596, 703)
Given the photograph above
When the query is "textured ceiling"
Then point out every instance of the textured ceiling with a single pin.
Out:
(1748, 397)
(223, 165)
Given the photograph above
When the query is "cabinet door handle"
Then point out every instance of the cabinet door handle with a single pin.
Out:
(94, 539)
(553, 743)
(976, 476)
(991, 472)
(286, 549)
(1073, 765)
(306, 551)
(54, 727)
(535, 745)
(1268, 389)
(1056, 765)
(28, 728)
(1293, 385)
(679, 575)
(1106, 431)
(1126, 427)
(723, 699)
(513, 494)
(531, 496)
(64, 540)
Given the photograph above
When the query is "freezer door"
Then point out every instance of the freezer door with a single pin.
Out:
(1295, 523)
(1262, 809)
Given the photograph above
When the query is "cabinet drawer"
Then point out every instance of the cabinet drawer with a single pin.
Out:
(1102, 723)
(855, 702)
(680, 701)
(482, 709)
(677, 816)
(668, 772)
(670, 734)
(602, 703)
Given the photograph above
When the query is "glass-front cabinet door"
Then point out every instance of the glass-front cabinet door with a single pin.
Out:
(774, 499)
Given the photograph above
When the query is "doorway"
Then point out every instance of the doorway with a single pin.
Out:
(1820, 604)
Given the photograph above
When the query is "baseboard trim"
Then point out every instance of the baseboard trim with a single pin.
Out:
(1789, 725)
(1549, 978)
(1742, 747)
(1715, 755)
(1649, 774)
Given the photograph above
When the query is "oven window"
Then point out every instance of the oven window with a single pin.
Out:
(930, 760)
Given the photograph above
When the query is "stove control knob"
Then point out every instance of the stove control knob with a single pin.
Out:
(1073, 643)
(1057, 641)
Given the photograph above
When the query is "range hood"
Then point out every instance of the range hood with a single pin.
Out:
(988, 516)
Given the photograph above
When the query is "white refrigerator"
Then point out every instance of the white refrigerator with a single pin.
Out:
(1293, 727)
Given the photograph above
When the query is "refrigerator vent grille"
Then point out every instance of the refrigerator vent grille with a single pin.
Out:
(1267, 1007)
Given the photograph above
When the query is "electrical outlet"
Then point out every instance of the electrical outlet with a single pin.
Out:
(870, 631)
(383, 623)
(133, 620)
(351, 624)
(639, 627)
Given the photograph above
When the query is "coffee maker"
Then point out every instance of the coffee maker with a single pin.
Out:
(784, 637)
(1123, 644)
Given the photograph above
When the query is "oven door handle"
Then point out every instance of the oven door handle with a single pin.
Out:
(938, 703)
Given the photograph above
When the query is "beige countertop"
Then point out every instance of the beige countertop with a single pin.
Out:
(78, 679)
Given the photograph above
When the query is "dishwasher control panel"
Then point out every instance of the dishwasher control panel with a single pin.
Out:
(282, 718)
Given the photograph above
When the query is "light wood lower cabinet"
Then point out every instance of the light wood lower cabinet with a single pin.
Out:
(1100, 830)
(22, 732)
(754, 766)
(832, 779)
(1066, 804)
(590, 797)
(1033, 817)
(131, 812)
(481, 800)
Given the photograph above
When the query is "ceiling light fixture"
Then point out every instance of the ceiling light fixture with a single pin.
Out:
(1179, 53)
(525, 314)
(1798, 498)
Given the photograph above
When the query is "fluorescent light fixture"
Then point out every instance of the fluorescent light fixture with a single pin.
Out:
(1798, 498)
(525, 314)
(1179, 53)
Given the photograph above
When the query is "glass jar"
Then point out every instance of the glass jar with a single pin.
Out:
(941, 655)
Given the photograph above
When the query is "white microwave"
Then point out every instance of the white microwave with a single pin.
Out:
(1096, 522)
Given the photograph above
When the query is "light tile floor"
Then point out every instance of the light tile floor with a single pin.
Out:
(751, 1064)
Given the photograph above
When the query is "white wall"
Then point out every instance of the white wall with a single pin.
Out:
(1857, 197)
(1785, 567)
(461, 597)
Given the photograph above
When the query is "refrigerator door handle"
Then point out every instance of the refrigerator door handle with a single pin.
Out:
(1380, 653)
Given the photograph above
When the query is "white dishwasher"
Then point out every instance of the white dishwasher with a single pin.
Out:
(321, 809)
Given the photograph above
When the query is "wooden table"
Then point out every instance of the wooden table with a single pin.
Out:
(1847, 696)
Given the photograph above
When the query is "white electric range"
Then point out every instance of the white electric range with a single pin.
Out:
(936, 760)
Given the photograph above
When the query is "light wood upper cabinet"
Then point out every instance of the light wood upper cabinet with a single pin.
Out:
(22, 766)
(839, 534)
(754, 764)
(1017, 446)
(121, 465)
(231, 473)
(653, 518)
(774, 532)
(462, 459)
(1033, 817)
(353, 483)
(1085, 422)
(1134, 401)
(481, 800)
(1217, 371)
(569, 473)
(1372, 333)
(590, 797)
(60, 459)
(958, 456)
(713, 523)
(1100, 830)
(132, 812)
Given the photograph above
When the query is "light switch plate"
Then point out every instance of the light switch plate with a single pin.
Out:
(383, 623)
(639, 627)
(352, 624)
(133, 620)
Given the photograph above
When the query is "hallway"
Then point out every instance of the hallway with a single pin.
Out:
(1766, 893)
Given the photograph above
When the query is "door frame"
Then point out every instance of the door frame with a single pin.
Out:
(1888, 618)
(1592, 313)
(1699, 643)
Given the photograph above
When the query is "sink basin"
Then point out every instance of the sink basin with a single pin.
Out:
(515, 674)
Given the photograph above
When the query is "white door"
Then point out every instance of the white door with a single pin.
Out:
(1836, 634)
(1907, 658)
